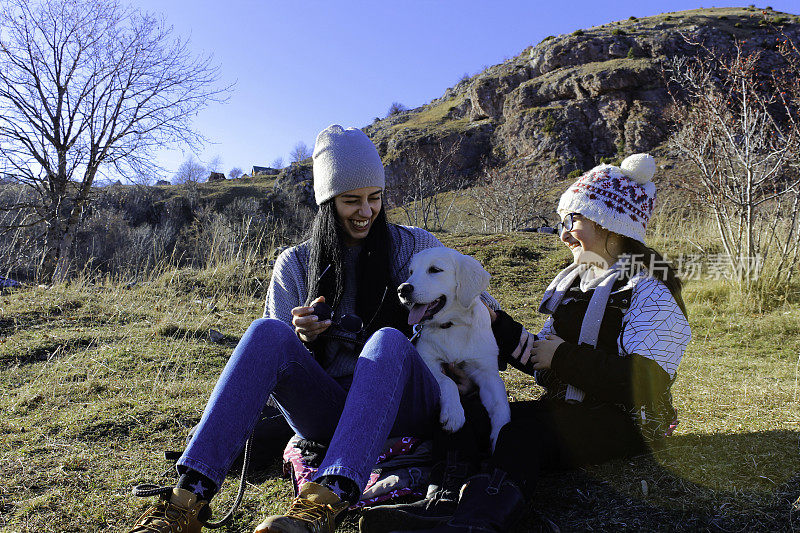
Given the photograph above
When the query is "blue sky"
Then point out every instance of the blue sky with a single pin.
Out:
(302, 65)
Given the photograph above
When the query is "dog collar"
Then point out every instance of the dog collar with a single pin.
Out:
(417, 329)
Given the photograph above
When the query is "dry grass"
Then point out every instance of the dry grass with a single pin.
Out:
(98, 380)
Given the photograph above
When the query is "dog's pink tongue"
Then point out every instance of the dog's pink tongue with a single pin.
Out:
(416, 313)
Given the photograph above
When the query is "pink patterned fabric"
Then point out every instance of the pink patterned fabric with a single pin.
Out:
(301, 472)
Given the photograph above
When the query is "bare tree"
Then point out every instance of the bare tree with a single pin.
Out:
(235, 172)
(215, 164)
(513, 197)
(89, 88)
(300, 152)
(427, 183)
(190, 171)
(277, 163)
(395, 109)
(739, 130)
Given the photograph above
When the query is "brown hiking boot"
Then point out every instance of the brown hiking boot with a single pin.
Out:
(313, 511)
(176, 512)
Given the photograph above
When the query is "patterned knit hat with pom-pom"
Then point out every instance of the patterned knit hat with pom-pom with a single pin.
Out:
(618, 198)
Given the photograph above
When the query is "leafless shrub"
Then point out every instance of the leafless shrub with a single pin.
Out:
(428, 184)
(395, 109)
(739, 130)
(190, 171)
(511, 198)
(300, 152)
(89, 89)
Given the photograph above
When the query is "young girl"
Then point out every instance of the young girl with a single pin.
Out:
(606, 356)
(349, 381)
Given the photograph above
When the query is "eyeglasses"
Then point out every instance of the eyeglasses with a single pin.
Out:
(567, 224)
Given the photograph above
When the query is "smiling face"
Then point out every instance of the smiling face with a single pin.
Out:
(356, 210)
(589, 242)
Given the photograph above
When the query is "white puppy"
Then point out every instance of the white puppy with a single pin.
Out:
(443, 296)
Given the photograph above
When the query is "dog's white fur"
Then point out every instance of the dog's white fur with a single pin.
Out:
(437, 272)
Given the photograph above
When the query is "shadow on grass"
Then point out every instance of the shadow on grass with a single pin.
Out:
(47, 349)
(180, 332)
(709, 482)
(733, 482)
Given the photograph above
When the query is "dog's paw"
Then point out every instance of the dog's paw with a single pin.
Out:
(452, 417)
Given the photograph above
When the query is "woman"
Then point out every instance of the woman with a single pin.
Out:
(328, 392)
(607, 354)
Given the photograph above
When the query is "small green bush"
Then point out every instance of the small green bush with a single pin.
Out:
(738, 25)
(618, 31)
(575, 174)
(548, 38)
(632, 18)
(667, 18)
(577, 32)
(781, 20)
(631, 54)
(549, 124)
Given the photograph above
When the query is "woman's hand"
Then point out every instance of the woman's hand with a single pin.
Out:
(307, 326)
(543, 350)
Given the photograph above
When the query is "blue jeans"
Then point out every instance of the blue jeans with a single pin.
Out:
(393, 393)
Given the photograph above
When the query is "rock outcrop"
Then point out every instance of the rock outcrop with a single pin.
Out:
(596, 93)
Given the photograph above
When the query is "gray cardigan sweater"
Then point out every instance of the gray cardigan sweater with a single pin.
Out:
(288, 289)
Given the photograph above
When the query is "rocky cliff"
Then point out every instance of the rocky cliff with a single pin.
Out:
(574, 98)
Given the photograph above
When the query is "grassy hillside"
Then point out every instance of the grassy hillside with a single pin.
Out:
(99, 379)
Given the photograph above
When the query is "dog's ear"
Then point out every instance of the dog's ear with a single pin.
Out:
(471, 279)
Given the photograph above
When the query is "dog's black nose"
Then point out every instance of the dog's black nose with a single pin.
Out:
(405, 290)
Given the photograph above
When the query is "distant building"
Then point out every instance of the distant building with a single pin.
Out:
(216, 176)
(162, 182)
(264, 171)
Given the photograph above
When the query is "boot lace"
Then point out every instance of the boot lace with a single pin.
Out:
(148, 490)
(164, 513)
(319, 515)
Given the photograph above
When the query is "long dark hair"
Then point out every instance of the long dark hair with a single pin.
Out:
(377, 302)
(646, 256)
(326, 257)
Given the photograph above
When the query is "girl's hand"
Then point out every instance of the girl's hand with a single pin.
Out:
(463, 382)
(492, 313)
(307, 326)
(543, 351)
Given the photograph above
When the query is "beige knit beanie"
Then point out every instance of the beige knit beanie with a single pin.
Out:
(345, 159)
